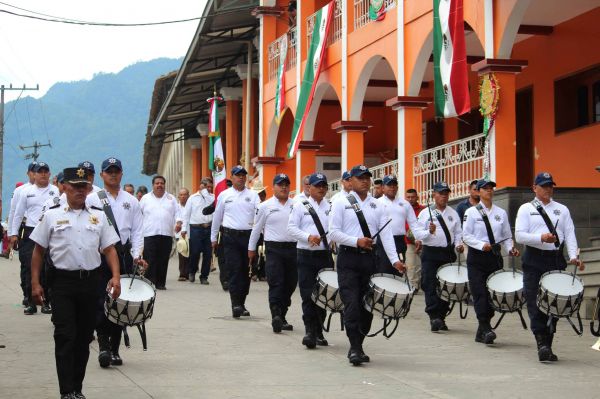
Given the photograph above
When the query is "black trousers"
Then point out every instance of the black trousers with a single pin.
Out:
(431, 259)
(354, 271)
(309, 263)
(183, 266)
(281, 272)
(157, 250)
(26, 247)
(536, 263)
(223, 270)
(200, 245)
(479, 267)
(74, 302)
(235, 243)
(383, 262)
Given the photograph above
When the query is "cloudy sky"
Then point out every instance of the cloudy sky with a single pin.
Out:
(37, 52)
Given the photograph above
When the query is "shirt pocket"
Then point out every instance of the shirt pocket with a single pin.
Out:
(62, 229)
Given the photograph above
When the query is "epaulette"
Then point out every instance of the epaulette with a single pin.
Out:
(96, 208)
(54, 206)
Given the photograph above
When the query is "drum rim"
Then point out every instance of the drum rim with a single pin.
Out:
(138, 277)
(497, 272)
(562, 272)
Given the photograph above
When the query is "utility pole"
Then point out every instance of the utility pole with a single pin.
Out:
(2, 89)
(35, 154)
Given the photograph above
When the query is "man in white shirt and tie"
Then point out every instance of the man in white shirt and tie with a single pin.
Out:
(198, 225)
(235, 212)
(159, 210)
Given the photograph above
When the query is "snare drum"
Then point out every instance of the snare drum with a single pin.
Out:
(560, 293)
(388, 295)
(326, 291)
(506, 290)
(453, 283)
(135, 304)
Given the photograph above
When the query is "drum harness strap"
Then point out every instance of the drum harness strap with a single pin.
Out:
(488, 229)
(320, 229)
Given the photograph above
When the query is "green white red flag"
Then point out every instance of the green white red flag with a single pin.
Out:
(451, 79)
(216, 159)
(314, 62)
(376, 10)
(280, 89)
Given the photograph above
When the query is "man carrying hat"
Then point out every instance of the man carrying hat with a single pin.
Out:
(235, 212)
(439, 230)
(272, 219)
(358, 226)
(544, 226)
(74, 236)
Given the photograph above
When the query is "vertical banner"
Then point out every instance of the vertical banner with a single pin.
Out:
(216, 159)
(280, 89)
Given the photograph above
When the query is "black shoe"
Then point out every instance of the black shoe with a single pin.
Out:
(225, 286)
(70, 395)
(29, 310)
(277, 324)
(204, 281)
(192, 277)
(46, 309)
(444, 327)
(479, 335)
(321, 341)
(437, 325)
(78, 395)
(364, 357)
(162, 288)
(104, 358)
(354, 357)
(309, 340)
(25, 302)
(245, 311)
(287, 326)
(115, 359)
(488, 337)
(237, 311)
(544, 351)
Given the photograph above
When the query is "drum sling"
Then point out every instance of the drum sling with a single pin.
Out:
(488, 228)
(438, 216)
(315, 217)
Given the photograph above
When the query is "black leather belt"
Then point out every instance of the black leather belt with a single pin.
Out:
(352, 250)
(542, 252)
(308, 253)
(279, 244)
(76, 274)
(234, 232)
(203, 225)
(400, 237)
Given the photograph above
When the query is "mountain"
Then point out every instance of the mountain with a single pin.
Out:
(92, 120)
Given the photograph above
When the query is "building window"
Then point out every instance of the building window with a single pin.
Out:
(577, 100)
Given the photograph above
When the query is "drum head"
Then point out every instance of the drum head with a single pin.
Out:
(140, 290)
(453, 274)
(391, 284)
(329, 277)
(561, 284)
(505, 281)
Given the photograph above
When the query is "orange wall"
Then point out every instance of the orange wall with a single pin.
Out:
(570, 156)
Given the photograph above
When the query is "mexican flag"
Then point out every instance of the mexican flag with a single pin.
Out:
(314, 61)
(280, 90)
(376, 10)
(216, 159)
(451, 80)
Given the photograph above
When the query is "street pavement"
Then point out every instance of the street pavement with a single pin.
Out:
(197, 350)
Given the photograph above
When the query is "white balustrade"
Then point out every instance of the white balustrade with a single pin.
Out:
(274, 53)
(335, 30)
(361, 11)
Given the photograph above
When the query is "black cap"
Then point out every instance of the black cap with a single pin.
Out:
(112, 161)
(484, 182)
(87, 165)
(346, 175)
(75, 176)
(543, 179)
(280, 178)
(41, 165)
(360, 170)
(60, 177)
(31, 166)
(440, 187)
(317, 178)
(389, 179)
(238, 169)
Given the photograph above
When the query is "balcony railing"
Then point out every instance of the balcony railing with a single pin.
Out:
(389, 168)
(275, 53)
(335, 30)
(457, 163)
(361, 11)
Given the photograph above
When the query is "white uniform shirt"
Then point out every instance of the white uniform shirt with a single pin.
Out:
(344, 227)
(128, 216)
(300, 197)
(339, 194)
(421, 229)
(193, 209)
(530, 226)
(272, 217)
(474, 231)
(400, 211)
(95, 188)
(57, 200)
(74, 236)
(31, 201)
(13, 206)
(235, 210)
(301, 225)
(158, 214)
(179, 218)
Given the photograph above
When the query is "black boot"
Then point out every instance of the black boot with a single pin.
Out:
(309, 340)
(485, 334)
(285, 326)
(321, 341)
(104, 355)
(544, 351)
(354, 356)
(553, 357)
(276, 319)
(479, 334)
(236, 307)
(115, 342)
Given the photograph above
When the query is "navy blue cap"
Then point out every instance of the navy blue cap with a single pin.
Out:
(346, 175)
(87, 165)
(440, 187)
(60, 177)
(389, 179)
(237, 169)
(112, 161)
(280, 178)
(75, 176)
(360, 170)
(543, 179)
(41, 165)
(484, 182)
(31, 166)
(317, 178)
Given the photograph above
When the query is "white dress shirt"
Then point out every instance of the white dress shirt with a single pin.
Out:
(57, 200)
(475, 234)
(95, 188)
(128, 216)
(193, 209)
(235, 210)
(301, 225)
(179, 218)
(74, 236)
(300, 197)
(421, 229)
(158, 214)
(400, 211)
(272, 217)
(339, 194)
(13, 206)
(31, 201)
(530, 226)
(345, 229)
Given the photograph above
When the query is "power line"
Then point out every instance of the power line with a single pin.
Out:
(29, 117)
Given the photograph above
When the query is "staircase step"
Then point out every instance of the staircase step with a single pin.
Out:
(589, 254)
(595, 241)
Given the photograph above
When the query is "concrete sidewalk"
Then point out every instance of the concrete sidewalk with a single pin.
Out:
(197, 350)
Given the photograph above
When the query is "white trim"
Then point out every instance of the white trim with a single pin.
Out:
(299, 188)
(492, 138)
(488, 15)
(400, 44)
(344, 4)
(401, 149)
(344, 157)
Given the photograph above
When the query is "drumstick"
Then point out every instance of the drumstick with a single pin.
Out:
(512, 263)
(376, 234)
(575, 271)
